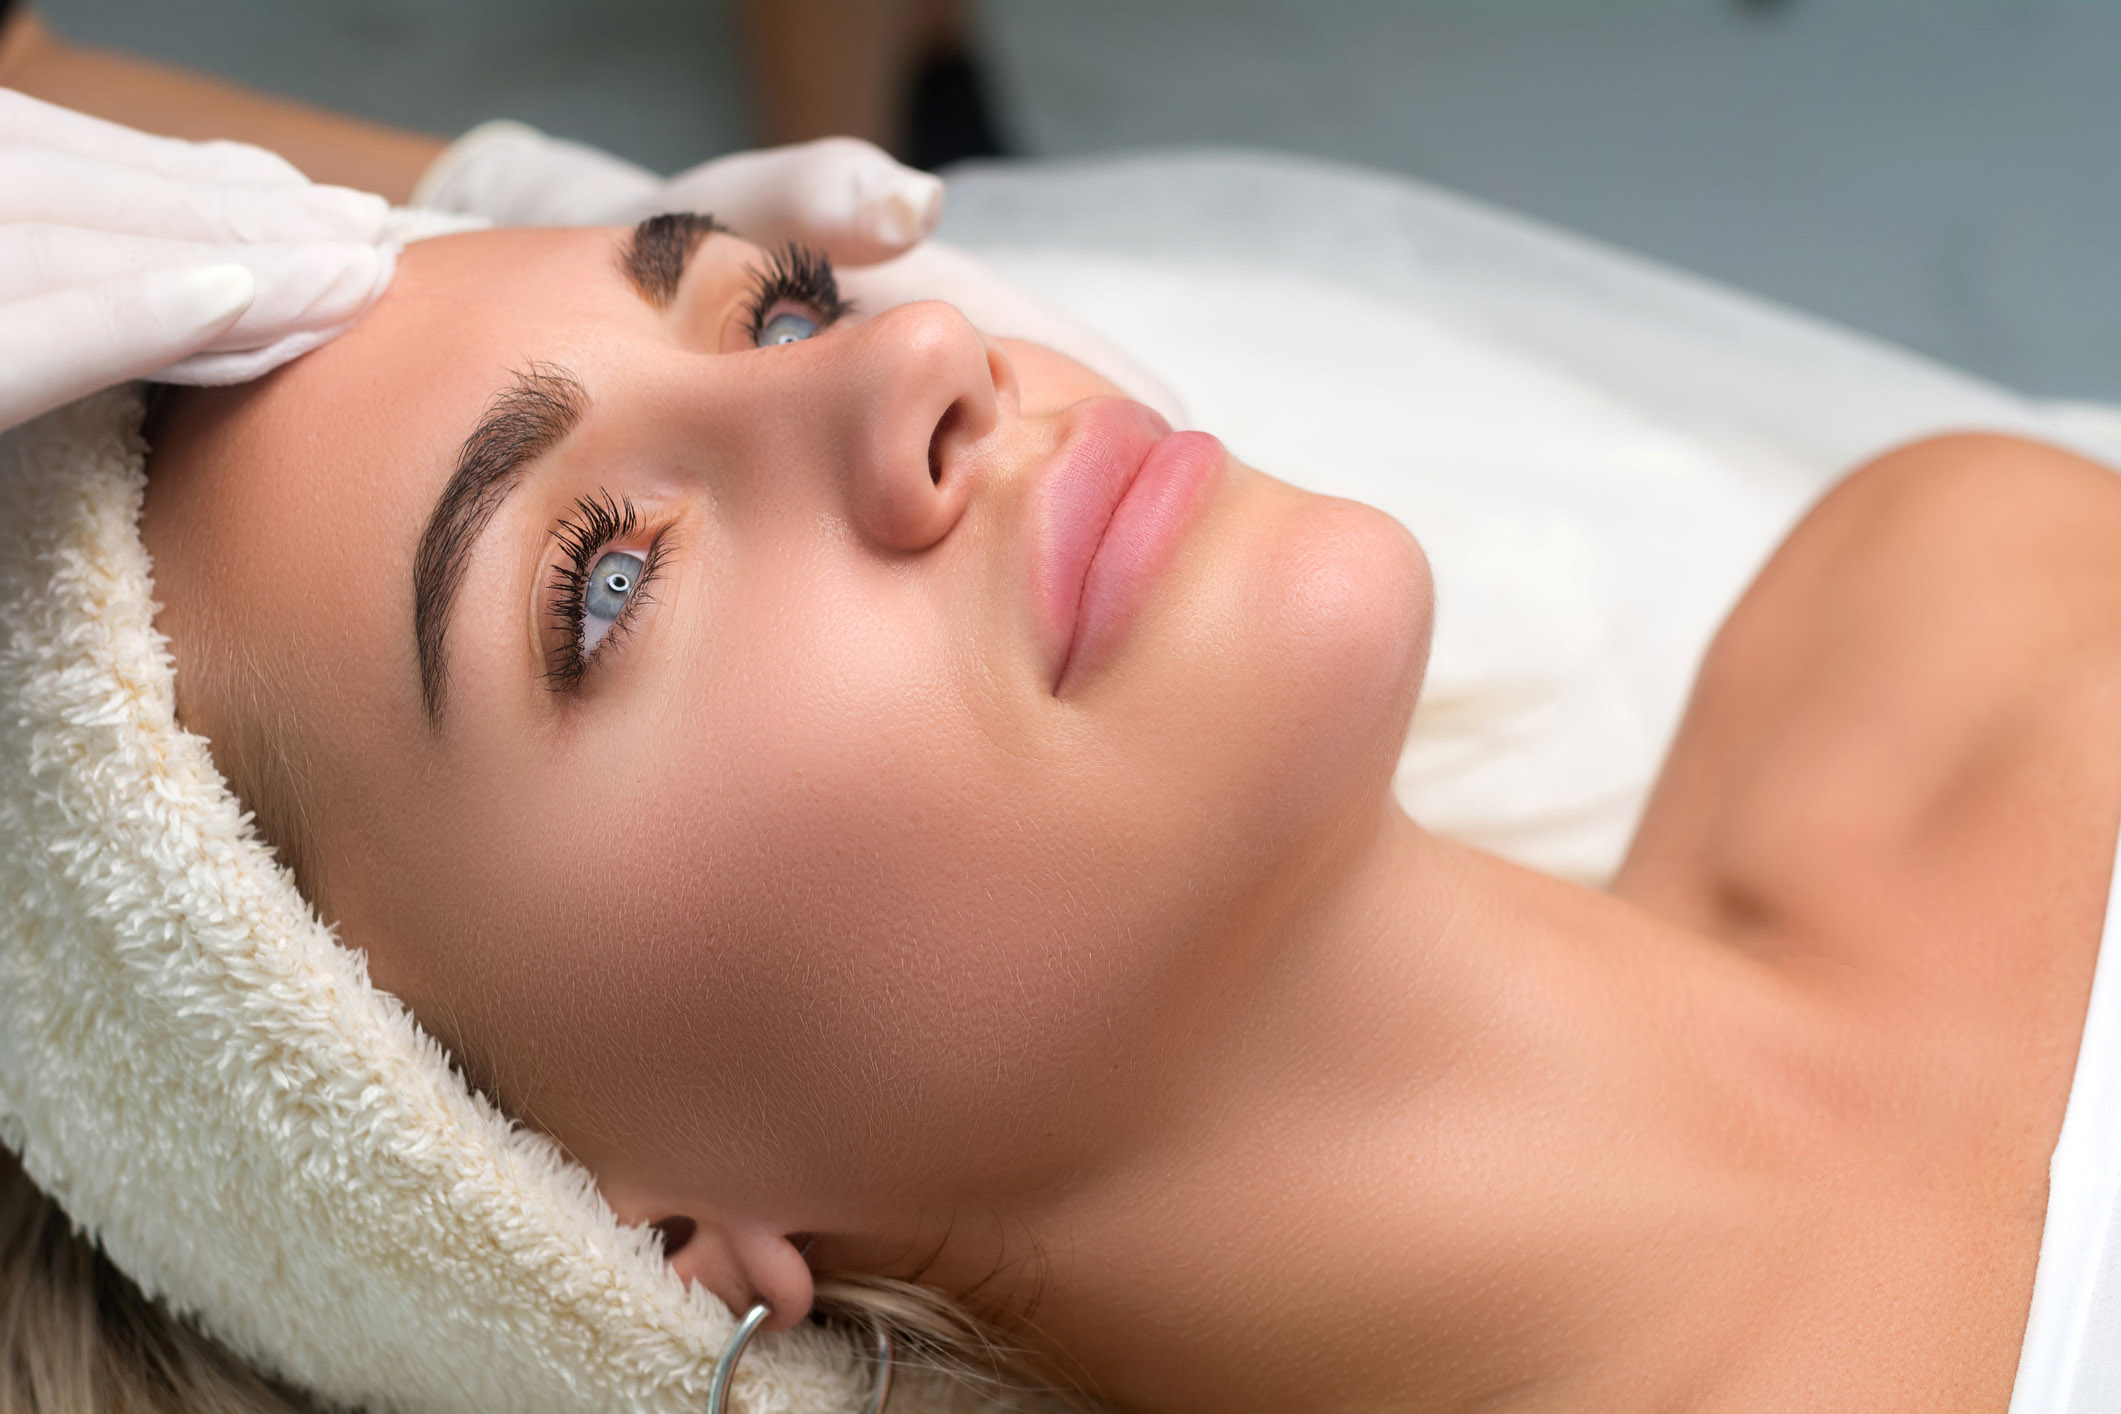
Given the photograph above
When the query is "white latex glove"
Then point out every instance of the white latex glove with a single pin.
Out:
(124, 256)
(844, 196)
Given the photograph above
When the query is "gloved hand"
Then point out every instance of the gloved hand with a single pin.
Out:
(124, 255)
(844, 196)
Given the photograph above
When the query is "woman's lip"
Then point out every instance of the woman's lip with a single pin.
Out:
(1108, 512)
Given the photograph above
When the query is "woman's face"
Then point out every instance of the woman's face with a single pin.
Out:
(819, 807)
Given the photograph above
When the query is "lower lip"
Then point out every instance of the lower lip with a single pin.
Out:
(1146, 527)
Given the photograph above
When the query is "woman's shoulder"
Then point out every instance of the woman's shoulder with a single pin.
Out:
(1898, 784)
(1985, 502)
(2007, 549)
(1905, 744)
(1946, 593)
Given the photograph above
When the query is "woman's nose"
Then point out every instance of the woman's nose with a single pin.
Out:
(920, 390)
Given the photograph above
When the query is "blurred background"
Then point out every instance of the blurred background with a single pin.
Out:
(1941, 174)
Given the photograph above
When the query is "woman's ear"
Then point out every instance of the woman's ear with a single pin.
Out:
(740, 1263)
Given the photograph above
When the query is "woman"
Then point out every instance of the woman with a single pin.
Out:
(886, 808)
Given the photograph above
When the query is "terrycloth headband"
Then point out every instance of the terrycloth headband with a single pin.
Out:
(207, 1082)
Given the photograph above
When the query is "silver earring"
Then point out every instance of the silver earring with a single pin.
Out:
(718, 1388)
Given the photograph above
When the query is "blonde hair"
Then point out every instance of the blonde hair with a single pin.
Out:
(77, 1337)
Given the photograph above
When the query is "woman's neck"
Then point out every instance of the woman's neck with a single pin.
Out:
(1466, 1136)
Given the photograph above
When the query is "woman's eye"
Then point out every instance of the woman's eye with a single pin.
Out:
(787, 327)
(611, 584)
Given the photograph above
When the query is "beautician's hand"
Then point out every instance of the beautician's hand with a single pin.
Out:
(842, 195)
(124, 255)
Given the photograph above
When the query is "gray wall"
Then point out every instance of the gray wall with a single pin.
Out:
(1940, 172)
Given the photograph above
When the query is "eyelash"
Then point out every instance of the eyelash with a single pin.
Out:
(793, 274)
(584, 534)
(798, 274)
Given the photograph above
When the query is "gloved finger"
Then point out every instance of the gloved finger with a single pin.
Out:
(32, 123)
(43, 184)
(60, 346)
(517, 176)
(288, 321)
(300, 286)
(840, 194)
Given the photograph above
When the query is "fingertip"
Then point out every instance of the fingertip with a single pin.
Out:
(202, 300)
(909, 212)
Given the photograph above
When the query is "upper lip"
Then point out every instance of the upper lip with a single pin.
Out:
(1073, 503)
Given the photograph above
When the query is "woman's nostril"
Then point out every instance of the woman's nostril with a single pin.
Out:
(935, 443)
(675, 1232)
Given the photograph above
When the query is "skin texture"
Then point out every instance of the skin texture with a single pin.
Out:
(1138, 1013)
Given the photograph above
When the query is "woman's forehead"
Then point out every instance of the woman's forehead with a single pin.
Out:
(369, 425)
(301, 496)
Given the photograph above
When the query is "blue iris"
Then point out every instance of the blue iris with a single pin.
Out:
(787, 327)
(611, 584)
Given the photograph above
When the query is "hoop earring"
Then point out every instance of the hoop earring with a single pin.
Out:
(724, 1368)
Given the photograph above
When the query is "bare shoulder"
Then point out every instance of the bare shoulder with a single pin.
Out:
(1898, 785)
(1909, 731)
(2007, 503)
(2012, 541)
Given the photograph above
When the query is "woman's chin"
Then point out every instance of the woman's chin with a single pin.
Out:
(1344, 603)
(1288, 666)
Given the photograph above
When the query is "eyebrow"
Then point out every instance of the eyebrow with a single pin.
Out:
(655, 255)
(524, 421)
